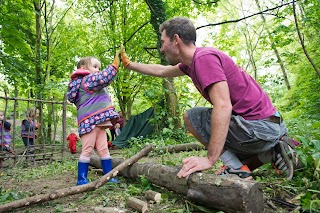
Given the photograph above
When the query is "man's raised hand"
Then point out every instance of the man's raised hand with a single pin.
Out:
(125, 60)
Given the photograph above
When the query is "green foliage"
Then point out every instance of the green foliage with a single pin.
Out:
(9, 195)
(165, 138)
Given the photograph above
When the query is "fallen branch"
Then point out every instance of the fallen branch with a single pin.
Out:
(180, 148)
(75, 189)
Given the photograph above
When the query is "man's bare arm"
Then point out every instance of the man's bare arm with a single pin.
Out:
(156, 69)
(220, 119)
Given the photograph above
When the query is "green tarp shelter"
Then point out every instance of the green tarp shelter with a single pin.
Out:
(137, 125)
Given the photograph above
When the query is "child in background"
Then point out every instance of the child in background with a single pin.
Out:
(117, 129)
(5, 137)
(110, 145)
(28, 129)
(119, 123)
(73, 138)
(87, 90)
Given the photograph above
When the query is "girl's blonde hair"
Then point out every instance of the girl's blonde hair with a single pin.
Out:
(86, 62)
(73, 130)
(32, 112)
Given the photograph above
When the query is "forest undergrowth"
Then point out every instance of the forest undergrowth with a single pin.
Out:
(301, 194)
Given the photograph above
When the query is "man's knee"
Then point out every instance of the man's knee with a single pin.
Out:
(186, 118)
(187, 121)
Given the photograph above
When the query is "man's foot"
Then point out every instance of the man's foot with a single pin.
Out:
(282, 159)
(244, 172)
(297, 164)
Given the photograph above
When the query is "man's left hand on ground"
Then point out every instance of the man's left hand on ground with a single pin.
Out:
(193, 164)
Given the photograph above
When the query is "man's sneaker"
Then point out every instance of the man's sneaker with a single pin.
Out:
(244, 172)
(282, 159)
(297, 164)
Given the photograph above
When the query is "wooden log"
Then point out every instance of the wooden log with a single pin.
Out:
(137, 204)
(124, 164)
(230, 194)
(152, 195)
(75, 189)
(180, 148)
(109, 210)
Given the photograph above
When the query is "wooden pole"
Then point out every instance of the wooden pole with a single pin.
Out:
(64, 124)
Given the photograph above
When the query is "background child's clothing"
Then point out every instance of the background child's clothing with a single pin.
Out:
(5, 136)
(28, 132)
(118, 131)
(5, 139)
(73, 138)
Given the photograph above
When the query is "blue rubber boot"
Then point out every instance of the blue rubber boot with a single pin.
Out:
(107, 167)
(82, 173)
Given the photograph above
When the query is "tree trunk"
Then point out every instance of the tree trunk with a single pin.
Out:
(172, 102)
(38, 78)
(158, 16)
(273, 46)
(302, 41)
(225, 193)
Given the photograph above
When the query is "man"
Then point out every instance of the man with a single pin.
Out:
(243, 128)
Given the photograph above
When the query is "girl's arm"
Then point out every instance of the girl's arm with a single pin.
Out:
(99, 80)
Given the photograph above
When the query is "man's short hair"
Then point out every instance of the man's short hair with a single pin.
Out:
(181, 26)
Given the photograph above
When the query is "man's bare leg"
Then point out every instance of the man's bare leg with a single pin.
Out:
(193, 130)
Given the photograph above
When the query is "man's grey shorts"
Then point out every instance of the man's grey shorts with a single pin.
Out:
(245, 137)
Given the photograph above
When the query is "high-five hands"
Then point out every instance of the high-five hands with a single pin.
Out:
(116, 60)
(124, 58)
(193, 164)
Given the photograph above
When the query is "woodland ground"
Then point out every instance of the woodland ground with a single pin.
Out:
(114, 195)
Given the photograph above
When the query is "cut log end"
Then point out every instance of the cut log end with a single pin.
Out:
(137, 204)
(152, 195)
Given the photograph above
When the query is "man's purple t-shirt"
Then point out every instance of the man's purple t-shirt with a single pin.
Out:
(210, 65)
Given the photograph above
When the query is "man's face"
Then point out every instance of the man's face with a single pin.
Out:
(1, 116)
(169, 48)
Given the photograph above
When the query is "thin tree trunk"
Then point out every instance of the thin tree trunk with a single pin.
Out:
(38, 78)
(158, 15)
(273, 46)
(302, 41)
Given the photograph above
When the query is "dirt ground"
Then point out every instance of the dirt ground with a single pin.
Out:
(107, 195)
(114, 195)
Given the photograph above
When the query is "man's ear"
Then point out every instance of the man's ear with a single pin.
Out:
(176, 38)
